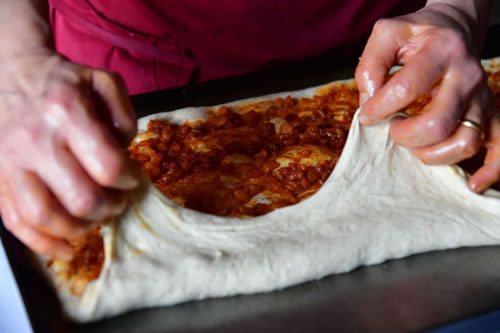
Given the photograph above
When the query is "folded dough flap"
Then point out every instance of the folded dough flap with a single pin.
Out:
(379, 203)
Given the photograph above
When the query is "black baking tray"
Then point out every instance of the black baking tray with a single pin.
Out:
(412, 294)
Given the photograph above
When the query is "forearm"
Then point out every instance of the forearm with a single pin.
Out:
(471, 15)
(26, 40)
(23, 25)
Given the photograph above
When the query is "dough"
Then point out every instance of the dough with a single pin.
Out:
(379, 203)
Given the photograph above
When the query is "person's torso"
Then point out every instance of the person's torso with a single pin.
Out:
(233, 36)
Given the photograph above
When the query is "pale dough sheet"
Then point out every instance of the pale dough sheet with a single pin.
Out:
(379, 203)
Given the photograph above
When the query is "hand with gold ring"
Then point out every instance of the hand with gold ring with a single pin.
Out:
(475, 126)
(435, 47)
(489, 173)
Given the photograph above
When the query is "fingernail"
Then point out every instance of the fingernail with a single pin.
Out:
(363, 118)
(475, 188)
(127, 180)
(80, 231)
(119, 207)
(363, 97)
(65, 255)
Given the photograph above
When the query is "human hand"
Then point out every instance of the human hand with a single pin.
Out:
(434, 47)
(64, 128)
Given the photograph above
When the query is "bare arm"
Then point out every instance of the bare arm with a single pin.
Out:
(439, 44)
(471, 15)
(63, 165)
(23, 24)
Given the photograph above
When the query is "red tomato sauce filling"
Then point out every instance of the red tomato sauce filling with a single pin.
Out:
(250, 159)
(219, 166)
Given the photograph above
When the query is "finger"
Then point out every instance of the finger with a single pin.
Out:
(39, 209)
(489, 173)
(438, 118)
(95, 148)
(378, 57)
(416, 78)
(32, 238)
(73, 188)
(116, 105)
(464, 143)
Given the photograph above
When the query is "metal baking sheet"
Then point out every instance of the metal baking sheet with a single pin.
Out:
(411, 294)
(405, 295)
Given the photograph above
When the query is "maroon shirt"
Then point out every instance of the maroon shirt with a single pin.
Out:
(157, 44)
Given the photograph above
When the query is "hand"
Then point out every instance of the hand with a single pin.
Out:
(63, 163)
(433, 45)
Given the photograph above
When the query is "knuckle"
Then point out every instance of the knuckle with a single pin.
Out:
(61, 104)
(30, 134)
(10, 224)
(60, 96)
(438, 129)
(39, 214)
(404, 89)
(63, 98)
(380, 25)
(454, 41)
(75, 79)
(362, 76)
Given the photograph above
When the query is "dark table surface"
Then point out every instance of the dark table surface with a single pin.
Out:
(413, 294)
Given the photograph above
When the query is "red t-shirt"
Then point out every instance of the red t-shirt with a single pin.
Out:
(157, 44)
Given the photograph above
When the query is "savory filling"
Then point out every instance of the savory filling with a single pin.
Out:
(250, 159)
(86, 264)
(242, 161)
(494, 83)
(89, 255)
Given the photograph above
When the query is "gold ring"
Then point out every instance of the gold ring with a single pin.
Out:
(475, 126)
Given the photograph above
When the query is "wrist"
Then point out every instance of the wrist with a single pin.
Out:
(26, 37)
(470, 16)
(26, 70)
(24, 24)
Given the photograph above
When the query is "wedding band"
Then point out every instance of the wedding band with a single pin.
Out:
(475, 126)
